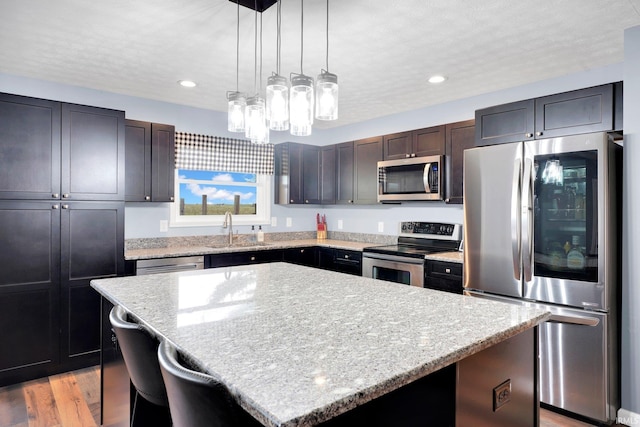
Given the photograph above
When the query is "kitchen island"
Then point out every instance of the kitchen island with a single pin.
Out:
(300, 346)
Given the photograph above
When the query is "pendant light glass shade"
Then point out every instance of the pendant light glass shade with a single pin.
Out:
(301, 105)
(236, 112)
(255, 120)
(277, 102)
(327, 96)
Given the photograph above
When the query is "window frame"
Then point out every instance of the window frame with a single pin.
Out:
(263, 207)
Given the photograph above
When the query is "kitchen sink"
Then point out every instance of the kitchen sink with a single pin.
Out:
(241, 245)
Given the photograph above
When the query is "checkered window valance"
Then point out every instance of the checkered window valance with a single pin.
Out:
(203, 152)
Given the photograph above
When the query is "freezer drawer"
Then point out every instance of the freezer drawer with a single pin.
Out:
(575, 370)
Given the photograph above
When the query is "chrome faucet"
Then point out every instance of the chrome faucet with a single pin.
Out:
(227, 216)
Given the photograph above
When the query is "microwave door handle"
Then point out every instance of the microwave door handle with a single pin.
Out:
(426, 178)
(516, 223)
(527, 216)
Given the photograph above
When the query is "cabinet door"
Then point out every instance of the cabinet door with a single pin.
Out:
(397, 146)
(575, 112)
(137, 161)
(428, 141)
(303, 256)
(311, 174)
(328, 175)
(288, 173)
(92, 246)
(511, 122)
(367, 154)
(163, 162)
(29, 289)
(92, 153)
(459, 137)
(344, 173)
(29, 148)
(243, 258)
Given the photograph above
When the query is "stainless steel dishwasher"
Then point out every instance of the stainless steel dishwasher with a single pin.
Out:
(168, 265)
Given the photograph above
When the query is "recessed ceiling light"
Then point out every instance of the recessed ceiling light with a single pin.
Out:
(437, 79)
(187, 83)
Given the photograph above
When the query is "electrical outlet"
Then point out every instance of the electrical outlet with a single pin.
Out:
(164, 225)
(274, 221)
(289, 221)
(339, 224)
(380, 227)
(501, 395)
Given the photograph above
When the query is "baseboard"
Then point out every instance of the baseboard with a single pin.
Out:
(628, 418)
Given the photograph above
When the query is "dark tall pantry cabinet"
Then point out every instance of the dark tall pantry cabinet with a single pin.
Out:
(61, 225)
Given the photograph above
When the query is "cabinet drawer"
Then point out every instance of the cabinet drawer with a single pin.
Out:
(442, 269)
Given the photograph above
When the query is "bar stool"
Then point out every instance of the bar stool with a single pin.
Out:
(197, 399)
(139, 350)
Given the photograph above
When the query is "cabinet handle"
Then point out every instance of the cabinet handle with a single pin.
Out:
(538, 133)
(65, 195)
(55, 195)
(407, 155)
(447, 200)
(306, 201)
(301, 251)
(447, 270)
(147, 198)
(253, 258)
(171, 198)
(55, 207)
(528, 135)
(65, 206)
(350, 201)
(346, 256)
(413, 154)
(291, 201)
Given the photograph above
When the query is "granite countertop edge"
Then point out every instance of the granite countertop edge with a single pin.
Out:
(180, 251)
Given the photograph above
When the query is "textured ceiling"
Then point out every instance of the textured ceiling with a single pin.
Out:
(382, 52)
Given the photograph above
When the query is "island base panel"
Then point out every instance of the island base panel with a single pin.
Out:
(497, 387)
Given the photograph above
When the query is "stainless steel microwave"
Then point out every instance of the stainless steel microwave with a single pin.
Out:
(414, 178)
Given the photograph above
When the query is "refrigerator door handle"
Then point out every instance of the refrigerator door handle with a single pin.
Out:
(516, 224)
(574, 320)
(527, 219)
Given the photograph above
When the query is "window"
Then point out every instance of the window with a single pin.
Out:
(203, 197)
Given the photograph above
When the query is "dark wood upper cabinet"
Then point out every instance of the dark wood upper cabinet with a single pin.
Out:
(575, 112)
(417, 143)
(504, 123)
(150, 162)
(429, 141)
(29, 148)
(328, 174)
(367, 154)
(92, 153)
(594, 109)
(344, 172)
(304, 174)
(459, 137)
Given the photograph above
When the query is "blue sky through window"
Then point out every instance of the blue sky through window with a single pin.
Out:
(220, 187)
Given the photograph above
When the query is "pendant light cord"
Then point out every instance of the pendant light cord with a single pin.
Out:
(327, 59)
(279, 23)
(238, 47)
(255, 48)
(301, 33)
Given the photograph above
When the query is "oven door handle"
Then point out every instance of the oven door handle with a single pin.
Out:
(394, 258)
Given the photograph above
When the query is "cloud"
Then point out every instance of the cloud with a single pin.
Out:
(214, 193)
(224, 177)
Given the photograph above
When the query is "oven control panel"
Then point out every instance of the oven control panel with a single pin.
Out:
(433, 230)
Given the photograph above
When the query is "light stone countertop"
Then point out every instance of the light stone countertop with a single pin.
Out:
(457, 257)
(297, 345)
(176, 251)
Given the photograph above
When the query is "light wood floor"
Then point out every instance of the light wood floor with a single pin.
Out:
(73, 399)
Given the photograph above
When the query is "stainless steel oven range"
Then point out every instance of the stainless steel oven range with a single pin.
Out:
(405, 262)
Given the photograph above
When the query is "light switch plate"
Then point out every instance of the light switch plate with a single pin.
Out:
(164, 225)
(340, 224)
(289, 221)
(274, 221)
(380, 227)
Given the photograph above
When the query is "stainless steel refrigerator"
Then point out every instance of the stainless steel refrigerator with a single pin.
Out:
(542, 226)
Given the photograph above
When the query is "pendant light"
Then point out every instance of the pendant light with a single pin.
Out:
(256, 128)
(327, 88)
(278, 89)
(301, 95)
(236, 100)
